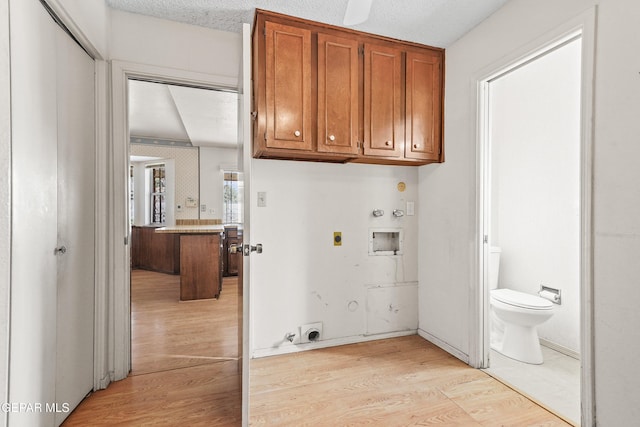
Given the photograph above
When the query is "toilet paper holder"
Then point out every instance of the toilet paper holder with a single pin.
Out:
(551, 294)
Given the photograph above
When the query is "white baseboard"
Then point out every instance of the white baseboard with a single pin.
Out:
(560, 349)
(295, 348)
(443, 345)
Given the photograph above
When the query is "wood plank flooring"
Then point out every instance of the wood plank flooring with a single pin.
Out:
(169, 334)
(393, 382)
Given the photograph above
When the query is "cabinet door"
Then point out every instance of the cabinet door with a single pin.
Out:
(288, 87)
(337, 94)
(383, 121)
(423, 106)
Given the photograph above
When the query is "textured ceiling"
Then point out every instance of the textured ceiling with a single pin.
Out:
(431, 22)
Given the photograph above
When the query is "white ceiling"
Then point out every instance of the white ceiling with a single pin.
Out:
(203, 117)
(208, 118)
(431, 22)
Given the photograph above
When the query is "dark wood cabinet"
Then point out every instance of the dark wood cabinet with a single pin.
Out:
(326, 93)
(155, 251)
(201, 266)
(233, 236)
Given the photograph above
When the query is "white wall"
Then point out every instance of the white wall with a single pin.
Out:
(212, 160)
(448, 191)
(5, 198)
(88, 20)
(302, 277)
(535, 175)
(182, 179)
(152, 41)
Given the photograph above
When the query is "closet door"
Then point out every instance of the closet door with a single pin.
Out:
(52, 279)
(76, 223)
(32, 362)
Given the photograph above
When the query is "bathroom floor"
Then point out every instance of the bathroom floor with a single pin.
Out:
(555, 384)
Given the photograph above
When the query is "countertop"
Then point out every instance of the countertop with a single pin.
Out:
(192, 229)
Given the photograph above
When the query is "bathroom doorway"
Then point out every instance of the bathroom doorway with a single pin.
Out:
(534, 217)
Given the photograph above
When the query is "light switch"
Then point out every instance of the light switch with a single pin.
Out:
(411, 208)
(262, 199)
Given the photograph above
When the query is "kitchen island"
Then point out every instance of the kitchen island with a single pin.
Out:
(200, 260)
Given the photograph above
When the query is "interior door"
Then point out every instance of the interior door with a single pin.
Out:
(76, 224)
(52, 281)
(34, 214)
(244, 164)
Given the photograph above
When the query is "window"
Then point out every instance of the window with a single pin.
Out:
(132, 199)
(232, 198)
(157, 194)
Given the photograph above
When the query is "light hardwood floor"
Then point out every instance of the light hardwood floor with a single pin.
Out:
(393, 382)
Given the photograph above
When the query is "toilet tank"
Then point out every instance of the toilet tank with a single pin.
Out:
(494, 266)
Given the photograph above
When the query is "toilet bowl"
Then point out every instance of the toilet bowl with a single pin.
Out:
(515, 318)
(521, 314)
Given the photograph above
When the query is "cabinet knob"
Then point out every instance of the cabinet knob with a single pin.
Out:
(297, 133)
(388, 143)
(332, 138)
(415, 145)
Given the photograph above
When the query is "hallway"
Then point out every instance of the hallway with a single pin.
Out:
(184, 361)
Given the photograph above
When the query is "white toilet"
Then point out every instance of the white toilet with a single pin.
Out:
(520, 315)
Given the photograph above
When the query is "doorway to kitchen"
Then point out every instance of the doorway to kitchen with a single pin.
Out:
(535, 216)
(182, 140)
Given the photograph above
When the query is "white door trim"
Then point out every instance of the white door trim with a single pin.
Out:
(585, 26)
(117, 325)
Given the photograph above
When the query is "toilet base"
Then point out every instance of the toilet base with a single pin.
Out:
(521, 343)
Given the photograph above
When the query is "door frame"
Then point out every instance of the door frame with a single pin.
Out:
(115, 328)
(583, 26)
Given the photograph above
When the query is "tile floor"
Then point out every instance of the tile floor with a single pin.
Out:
(555, 384)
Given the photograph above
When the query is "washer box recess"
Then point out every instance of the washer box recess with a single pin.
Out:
(386, 241)
(310, 332)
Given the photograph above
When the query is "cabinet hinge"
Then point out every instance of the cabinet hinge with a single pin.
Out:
(254, 115)
(361, 50)
(265, 136)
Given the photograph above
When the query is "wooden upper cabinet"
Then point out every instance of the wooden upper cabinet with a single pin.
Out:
(423, 119)
(288, 87)
(383, 122)
(337, 94)
(331, 94)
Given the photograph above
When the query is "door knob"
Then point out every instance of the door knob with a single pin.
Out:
(235, 249)
(60, 251)
(249, 248)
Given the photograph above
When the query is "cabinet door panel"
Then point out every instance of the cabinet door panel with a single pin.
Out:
(337, 94)
(288, 87)
(423, 105)
(383, 122)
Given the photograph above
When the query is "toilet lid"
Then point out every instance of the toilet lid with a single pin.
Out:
(520, 299)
